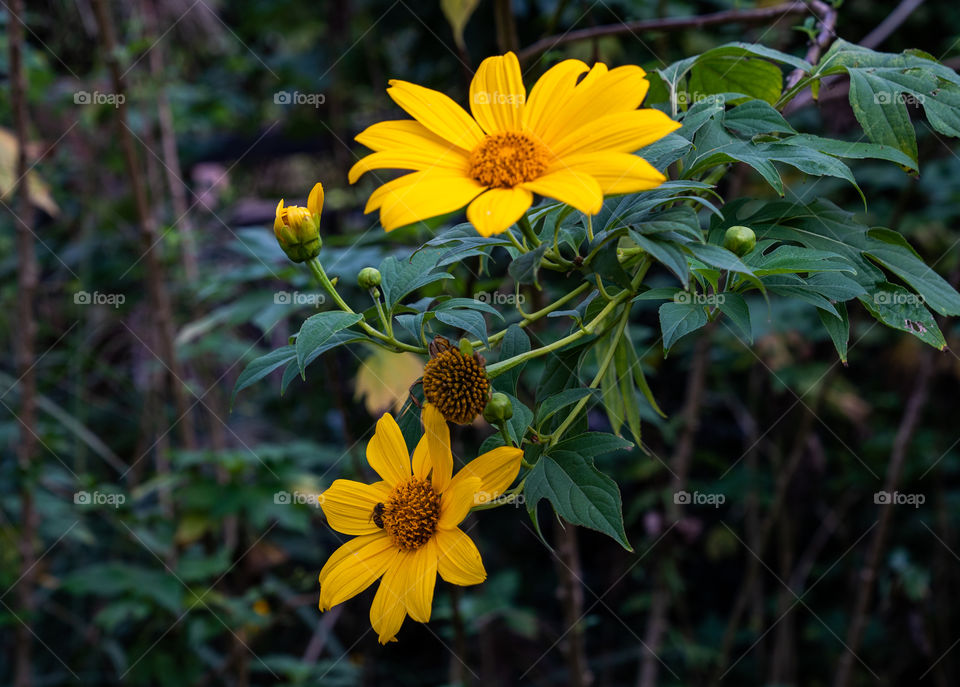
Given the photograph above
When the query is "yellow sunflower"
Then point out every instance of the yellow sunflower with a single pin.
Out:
(571, 140)
(406, 526)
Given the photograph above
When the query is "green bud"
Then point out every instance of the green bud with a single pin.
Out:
(369, 277)
(739, 240)
(466, 348)
(499, 409)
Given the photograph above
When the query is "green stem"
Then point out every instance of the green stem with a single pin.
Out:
(504, 365)
(533, 317)
(590, 228)
(324, 280)
(604, 364)
(516, 244)
(527, 230)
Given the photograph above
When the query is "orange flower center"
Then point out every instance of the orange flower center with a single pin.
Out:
(508, 159)
(411, 513)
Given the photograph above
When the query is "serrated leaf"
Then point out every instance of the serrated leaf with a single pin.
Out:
(581, 494)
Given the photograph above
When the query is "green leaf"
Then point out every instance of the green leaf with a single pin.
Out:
(853, 150)
(670, 254)
(522, 418)
(898, 308)
(581, 494)
(402, 277)
(515, 342)
(560, 371)
(258, 368)
(317, 330)
(679, 319)
(787, 259)
(524, 268)
(838, 329)
(756, 117)
(899, 257)
(735, 307)
(719, 257)
(718, 73)
(593, 444)
(549, 407)
(470, 321)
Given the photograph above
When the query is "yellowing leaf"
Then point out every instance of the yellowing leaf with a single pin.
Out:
(384, 379)
(39, 191)
(458, 13)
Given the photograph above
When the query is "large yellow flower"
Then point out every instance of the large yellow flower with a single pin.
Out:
(570, 140)
(406, 525)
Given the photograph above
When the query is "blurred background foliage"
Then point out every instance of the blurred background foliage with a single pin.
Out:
(206, 572)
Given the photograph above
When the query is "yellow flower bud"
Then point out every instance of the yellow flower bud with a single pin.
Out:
(298, 229)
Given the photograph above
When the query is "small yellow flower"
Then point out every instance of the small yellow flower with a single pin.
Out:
(405, 527)
(298, 228)
(571, 140)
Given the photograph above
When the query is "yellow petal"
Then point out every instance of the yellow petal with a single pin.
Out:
(354, 567)
(428, 195)
(599, 94)
(570, 186)
(457, 500)
(495, 469)
(387, 452)
(421, 459)
(348, 505)
(437, 433)
(418, 160)
(403, 134)
(622, 132)
(388, 609)
(437, 112)
(551, 91)
(315, 201)
(421, 580)
(497, 94)
(617, 172)
(498, 209)
(459, 561)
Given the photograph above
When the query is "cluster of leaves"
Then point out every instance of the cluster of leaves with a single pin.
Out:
(730, 101)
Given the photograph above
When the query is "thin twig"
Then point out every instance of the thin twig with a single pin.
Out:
(908, 424)
(570, 593)
(828, 26)
(754, 16)
(156, 278)
(24, 343)
(680, 466)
